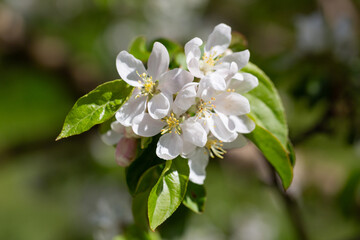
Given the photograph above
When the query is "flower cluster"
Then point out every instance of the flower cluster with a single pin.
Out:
(200, 112)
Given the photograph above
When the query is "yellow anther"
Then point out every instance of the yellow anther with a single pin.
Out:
(215, 148)
(205, 109)
(173, 124)
(148, 85)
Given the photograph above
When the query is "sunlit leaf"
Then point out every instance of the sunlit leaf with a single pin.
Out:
(168, 193)
(95, 107)
(271, 132)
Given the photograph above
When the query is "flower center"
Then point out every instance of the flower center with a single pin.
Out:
(148, 85)
(208, 62)
(214, 147)
(205, 109)
(173, 124)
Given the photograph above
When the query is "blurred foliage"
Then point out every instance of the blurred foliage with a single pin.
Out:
(52, 52)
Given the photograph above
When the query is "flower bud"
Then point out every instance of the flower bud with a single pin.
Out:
(125, 151)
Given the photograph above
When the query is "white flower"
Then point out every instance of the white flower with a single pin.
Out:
(154, 87)
(175, 134)
(213, 60)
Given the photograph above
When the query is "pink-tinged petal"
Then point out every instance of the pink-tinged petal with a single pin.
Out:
(242, 124)
(144, 125)
(129, 67)
(198, 160)
(239, 142)
(169, 146)
(194, 133)
(186, 96)
(219, 126)
(219, 40)
(132, 108)
(232, 103)
(240, 58)
(111, 137)
(243, 82)
(159, 106)
(126, 151)
(158, 62)
(174, 80)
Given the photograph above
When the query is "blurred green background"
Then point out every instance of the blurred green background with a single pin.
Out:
(54, 51)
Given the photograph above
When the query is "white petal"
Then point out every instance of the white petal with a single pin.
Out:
(169, 146)
(187, 148)
(144, 125)
(219, 40)
(194, 68)
(219, 126)
(198, 160)
(174, 80)
(111, 137)
(159, 106)
(243, 82)
(242, 124)
(117, 127)
(186, 96)
(239, 142)
(194, 133)
(241, 58)
(132, 108)
(192, 49)
(215, 81)
(158, 62)
(129, 67)
(232, 103)
(227, 70)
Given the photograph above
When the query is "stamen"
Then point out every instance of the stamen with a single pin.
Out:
(148, 85)
(173, 124)
(215, 148)
(205, 109)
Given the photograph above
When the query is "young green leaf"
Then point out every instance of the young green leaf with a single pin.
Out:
(195, 197)
(138, 49)
(168, 193)
(271, 132)
(95, 107)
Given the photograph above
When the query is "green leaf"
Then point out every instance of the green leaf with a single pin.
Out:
(271, 132)
(145, 141)
(146, 159)
(95, 107)
(138, 49)
(168, 192)
(195, 197)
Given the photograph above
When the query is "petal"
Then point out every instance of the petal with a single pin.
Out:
(231, 103)
(129, 67)
(194, 133)
(215, 81)
(186, 96)
(144, 125)
(159, 106)
(198, 160)
(219, 126)
(192, 49)
(174, 80)
(125, 151)
(169, 146)
(111, 137)
(117, 127)
(194, 68)
(239, 142)
(219, 40)
(158, 62)
(243, 82)
(187, 148)
(242, 124)
(241, 58)
(227, 70)
(132, 108)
